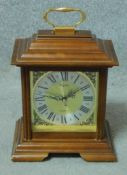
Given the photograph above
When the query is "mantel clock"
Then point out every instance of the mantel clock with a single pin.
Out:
(64, 81)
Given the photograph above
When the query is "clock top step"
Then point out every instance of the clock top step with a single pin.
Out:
(77, 34)
(48, 49)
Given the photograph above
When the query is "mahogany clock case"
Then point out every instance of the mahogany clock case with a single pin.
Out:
(46, 51)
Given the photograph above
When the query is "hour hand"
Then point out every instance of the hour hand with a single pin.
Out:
(54, 96)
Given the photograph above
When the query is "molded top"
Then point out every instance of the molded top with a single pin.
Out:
(48, 49)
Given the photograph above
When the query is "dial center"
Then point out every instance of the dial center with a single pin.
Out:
(66, 99)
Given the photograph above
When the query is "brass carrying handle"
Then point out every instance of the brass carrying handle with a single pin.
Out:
(64, 9)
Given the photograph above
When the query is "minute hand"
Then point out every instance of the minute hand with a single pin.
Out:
(82, 88)
(72, 93)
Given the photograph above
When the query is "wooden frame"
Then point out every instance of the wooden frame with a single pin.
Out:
(27, 111)
(49, 52)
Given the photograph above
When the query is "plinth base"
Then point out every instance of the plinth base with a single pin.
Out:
(38, 150)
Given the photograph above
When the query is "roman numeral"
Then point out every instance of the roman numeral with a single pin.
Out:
(84, 109)
(41, 98)
(63, 119)
(76, 78)
(76, 117)
(51, 116)
(64, 76)
(52, 78)
(42, 109)
(85, 87)
(88, 98)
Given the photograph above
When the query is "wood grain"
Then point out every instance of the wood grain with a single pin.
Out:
(64, 51)
(46, 51)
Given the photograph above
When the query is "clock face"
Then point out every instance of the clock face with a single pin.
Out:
(63, 98)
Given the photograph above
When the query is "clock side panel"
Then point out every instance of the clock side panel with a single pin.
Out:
(25, 81)
(41, 126)
(103, 75)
